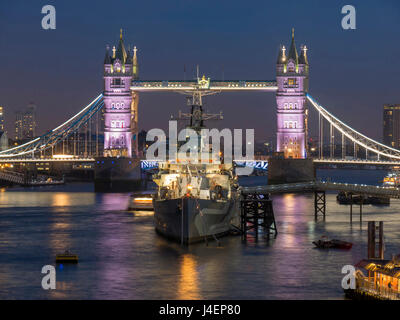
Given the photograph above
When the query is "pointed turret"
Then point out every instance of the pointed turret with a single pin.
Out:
(107, 58)
(121, 52)
(282, 55)
(293, 51)
(135, 68)
(303, 56)
(128, 56)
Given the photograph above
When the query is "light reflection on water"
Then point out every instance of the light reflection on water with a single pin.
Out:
(121, 257)
(188, 287)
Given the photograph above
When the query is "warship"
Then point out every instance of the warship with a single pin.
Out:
(194, 200)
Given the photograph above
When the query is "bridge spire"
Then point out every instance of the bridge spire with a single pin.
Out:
(121, 52)
(107, 58)
(135, 65)
(282, 55)
(293, 51)
(303, 56)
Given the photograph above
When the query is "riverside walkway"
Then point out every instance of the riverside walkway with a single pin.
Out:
(319, 188)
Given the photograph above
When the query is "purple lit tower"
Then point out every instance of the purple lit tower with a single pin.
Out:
(118, 170)
(292, 79)
(119, 70)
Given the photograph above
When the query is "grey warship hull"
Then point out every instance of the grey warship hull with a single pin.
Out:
(182, 221)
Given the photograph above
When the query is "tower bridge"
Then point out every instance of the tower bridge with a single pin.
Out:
(107, 128)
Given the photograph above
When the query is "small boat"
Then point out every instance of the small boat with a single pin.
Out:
(66, 257)
(325, 243)
(141, 201)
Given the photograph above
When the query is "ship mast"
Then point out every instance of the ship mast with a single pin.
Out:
(197, 116)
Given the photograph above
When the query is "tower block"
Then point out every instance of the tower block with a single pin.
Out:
(292, 80)
(120, 114)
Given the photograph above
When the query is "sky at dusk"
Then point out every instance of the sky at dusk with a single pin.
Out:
(352, 72)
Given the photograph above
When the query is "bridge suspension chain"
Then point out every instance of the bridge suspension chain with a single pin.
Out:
(356, 137)
(59, 135)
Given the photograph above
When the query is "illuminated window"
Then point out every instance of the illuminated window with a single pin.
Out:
(117, 82)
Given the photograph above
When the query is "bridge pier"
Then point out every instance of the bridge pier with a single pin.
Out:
(351, 207)
(319, 203)
(257, 211)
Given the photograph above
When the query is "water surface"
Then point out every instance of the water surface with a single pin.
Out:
(121, 257)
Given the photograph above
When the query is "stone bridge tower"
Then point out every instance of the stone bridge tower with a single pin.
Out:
(292, 80)
(120, 113)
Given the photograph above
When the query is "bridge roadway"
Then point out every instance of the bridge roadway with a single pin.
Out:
(16, 160)
(314, 186)
(357, 161)
(258, 162)
(203, 84)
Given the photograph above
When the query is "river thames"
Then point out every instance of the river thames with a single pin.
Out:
(121, 256)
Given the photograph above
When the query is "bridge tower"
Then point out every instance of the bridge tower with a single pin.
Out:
(119, 70)
(292, 80)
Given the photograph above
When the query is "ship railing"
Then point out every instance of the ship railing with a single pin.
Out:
(369, 287)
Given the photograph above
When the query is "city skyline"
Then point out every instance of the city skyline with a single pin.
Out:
(340, 60)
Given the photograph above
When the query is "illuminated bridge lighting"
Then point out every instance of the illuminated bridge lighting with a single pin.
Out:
(355, 136)
(212, 85)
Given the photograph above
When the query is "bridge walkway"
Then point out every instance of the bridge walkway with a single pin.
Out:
(319, 188)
